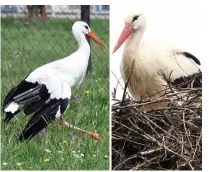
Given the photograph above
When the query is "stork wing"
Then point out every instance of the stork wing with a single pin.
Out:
(43, 93)
(54, 109)
(184, 71)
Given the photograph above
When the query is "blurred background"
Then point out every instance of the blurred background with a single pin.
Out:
(32, 36)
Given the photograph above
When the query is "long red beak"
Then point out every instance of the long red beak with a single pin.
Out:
(96, 39)
(128, 29)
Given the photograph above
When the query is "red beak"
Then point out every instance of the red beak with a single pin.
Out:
(96, 39)
(128, 29)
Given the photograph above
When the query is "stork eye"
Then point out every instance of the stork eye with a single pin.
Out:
(86, 27)
(135, 18)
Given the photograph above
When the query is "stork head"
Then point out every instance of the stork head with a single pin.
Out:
(133, 22)
(81, 28)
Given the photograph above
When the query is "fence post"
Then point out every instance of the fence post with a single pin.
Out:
(85, 16)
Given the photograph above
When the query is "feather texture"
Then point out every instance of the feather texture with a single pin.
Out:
(156, 65)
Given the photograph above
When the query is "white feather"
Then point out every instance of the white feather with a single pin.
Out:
(59, 76)
(12, 107)
(58, 114)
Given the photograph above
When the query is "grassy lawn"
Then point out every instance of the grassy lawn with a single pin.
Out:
(24, 48)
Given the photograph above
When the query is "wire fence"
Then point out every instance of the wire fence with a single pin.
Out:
(36, 35)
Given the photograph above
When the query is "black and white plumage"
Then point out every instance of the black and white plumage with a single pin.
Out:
(46, 91)
(156, 65)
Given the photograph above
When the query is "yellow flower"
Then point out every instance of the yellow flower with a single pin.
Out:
(30, 167)
(64, 142)
(96, 80)
(86, 92)
(46, 160)
(14, 84)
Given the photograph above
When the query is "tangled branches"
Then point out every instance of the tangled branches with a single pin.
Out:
(169, 138)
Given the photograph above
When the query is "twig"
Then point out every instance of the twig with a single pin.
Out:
(126, 84)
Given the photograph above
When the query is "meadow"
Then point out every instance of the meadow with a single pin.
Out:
(26, 46)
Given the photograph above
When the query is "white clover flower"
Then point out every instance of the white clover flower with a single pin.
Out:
(106, 156)
(76, 156)
(59, 151)
(19, 164)
(47, 150)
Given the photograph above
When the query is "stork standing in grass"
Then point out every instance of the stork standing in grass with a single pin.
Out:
(46, 91)
(149, 67)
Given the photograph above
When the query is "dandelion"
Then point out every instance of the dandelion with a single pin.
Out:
(47, 150)
(14, 84)
(19, 164)
(106, 156)
(5, 163)
(46, 160)
(64, 142)
(86, 92)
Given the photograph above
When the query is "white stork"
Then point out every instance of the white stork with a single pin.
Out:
(46, 91)
(155, 65)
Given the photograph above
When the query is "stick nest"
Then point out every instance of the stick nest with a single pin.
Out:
(168, 138)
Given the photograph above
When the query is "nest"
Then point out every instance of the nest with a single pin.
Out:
(168, 138)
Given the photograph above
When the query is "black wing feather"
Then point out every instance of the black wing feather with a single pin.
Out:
(43, 117)
(195, 59)
(22, 87)
(32, 97)
(10, 115)
(34, 107)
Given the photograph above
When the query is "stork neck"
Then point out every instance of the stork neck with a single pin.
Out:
(82, 43)
(134, 39)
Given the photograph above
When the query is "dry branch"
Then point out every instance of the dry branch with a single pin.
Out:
(168, 138)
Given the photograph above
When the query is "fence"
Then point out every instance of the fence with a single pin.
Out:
(28, 43)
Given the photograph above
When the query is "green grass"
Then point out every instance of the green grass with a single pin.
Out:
(24, 48)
